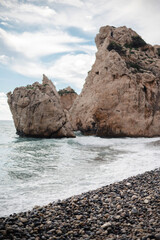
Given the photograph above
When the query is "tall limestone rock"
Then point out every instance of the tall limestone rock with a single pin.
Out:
(121, 95)
(37, 111)
(68, 96)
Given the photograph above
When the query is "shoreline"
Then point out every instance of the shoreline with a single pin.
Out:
(126, 210)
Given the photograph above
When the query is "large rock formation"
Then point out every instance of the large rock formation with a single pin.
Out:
(37, 111)
(121, 95)
(68, 96)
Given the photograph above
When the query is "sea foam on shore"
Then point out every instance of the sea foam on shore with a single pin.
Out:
(39, 171)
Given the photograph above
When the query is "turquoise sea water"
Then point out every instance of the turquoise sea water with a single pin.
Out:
(39, 171)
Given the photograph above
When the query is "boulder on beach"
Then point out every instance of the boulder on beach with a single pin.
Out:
(121, 95)
(37, 111)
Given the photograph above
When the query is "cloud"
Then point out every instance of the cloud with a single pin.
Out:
(4, 59)
(147, 20)
(70, 69)
(37, 44)
(4, 23)
(75, 3)
(5, 113)
(142, 16)
(20, 13)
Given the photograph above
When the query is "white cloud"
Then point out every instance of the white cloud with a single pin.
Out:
(43, 11)
(4, 59)
(72, 69)
(147, 20)
(88, 15)
(143, 16)
(36, 44)
(28, 68)
(75, 3)
(5, 113)
(8, 4)
(69, 69)
(4, 23)
(26, 13)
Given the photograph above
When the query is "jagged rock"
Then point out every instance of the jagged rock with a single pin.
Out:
(121, 95)
(37, 111)
(68, 96)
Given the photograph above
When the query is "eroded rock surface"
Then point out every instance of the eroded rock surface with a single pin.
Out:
(37, 111)
(121, 95)
(68, 96)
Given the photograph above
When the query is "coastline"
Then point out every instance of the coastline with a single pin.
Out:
(126, 210)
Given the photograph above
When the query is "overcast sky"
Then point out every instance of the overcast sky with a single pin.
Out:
(56, 37)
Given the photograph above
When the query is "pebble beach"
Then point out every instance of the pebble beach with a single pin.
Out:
(126, 210)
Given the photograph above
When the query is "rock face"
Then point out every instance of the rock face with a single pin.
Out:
(37, 111)
(68, 96)
(121, 95)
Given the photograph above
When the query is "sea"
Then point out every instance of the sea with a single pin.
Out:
(35, 172)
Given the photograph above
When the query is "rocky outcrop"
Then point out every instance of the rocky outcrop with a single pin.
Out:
(68, 96)
(121, 95)
(37, 111)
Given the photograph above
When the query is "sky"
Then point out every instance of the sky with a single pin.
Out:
(56, 38)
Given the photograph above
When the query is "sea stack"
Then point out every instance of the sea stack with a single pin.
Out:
(121, 95)
(37, 111)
